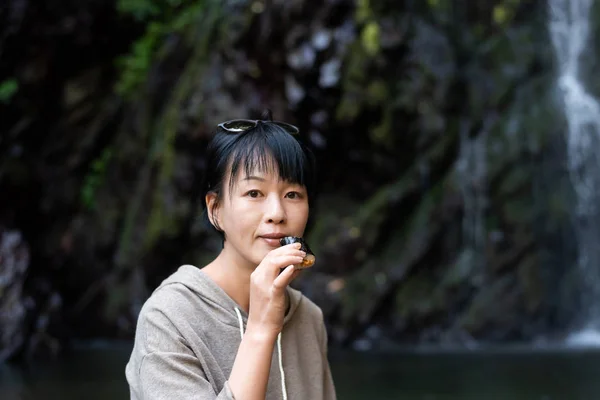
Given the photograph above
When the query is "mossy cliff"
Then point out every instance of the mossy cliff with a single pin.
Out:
(444, 207)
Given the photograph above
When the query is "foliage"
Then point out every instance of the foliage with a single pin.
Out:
(427, 139)
(8, 89)
(370, 34)
(93, 180)
(162, 18)
(145, 9)
(504, 12)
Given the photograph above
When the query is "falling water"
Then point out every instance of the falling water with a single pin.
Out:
(569, 27)
(471, 168)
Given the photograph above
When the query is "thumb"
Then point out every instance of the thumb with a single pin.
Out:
(284, 278)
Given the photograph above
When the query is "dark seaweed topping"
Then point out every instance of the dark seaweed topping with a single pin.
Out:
(294, 239)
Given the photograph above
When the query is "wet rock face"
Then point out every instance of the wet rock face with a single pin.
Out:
(443, 214)
(14, 261)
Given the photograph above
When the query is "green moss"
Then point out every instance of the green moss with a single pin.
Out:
(8, 88)
(361, 286)
(492, 222)
(439, 5)
(358, 90)
(530, 281)
(95, 178)
(139, 9)
(413, 297)
(419, 297)
(370, 216)
(559, 209)
(117, 297)
(353, 81)
(163, 18)
(517, 211)
(460, 271)
(486, 305)
(422, 294)
(500, 14)
(515, 179)
(371, 38)
(363, 11)
(382, 133)
(330, 225)
(347, 109)
(504, 12)
(162, 218)
(377, 92)
(374, 211)
(162, 221)
(135, 66)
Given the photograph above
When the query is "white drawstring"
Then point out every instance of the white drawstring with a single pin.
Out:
(279, 352)
(239, 315)
(282, 373)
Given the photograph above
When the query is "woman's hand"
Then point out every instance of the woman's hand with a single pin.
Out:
(250, 373)
(267, 289)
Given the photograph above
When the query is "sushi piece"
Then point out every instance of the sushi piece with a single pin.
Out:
(309, 260)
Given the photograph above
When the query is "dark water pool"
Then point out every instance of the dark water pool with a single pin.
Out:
(512, 374)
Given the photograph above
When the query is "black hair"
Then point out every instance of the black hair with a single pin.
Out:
(267, 146)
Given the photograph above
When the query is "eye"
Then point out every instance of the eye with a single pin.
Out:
(253, 193)
(293, 195)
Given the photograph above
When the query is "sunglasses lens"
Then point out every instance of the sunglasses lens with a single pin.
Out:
(242, 125)
(238, 125)
(289, 128)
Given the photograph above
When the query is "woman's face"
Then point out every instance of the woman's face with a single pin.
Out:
(257, 212)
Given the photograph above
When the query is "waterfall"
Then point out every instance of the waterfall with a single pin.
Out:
(471, 169)
(569, 27)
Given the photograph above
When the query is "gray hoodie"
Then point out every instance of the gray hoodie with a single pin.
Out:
(188, 333)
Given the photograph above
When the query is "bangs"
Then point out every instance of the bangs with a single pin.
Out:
(266, 148)
(270, 149)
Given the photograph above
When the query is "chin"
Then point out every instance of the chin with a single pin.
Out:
(259, 257)
(256, 257)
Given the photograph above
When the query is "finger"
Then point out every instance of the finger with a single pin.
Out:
(268, 271)
(293, 248)
(279, 262)
(287, 247)
(284, 278)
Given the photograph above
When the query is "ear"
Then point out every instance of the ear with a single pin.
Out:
(212, 209)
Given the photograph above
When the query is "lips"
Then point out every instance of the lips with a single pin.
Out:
(272, 239)
(273, 235)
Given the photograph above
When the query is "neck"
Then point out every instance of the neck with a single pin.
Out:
(232, 274)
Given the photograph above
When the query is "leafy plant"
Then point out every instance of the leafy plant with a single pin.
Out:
(162, 18)
(94, 179)
(8, 88)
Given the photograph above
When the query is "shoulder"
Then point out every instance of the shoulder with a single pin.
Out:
(173, 294)
(165, 302)
(307, 308)
(308, 318)
(174, 312)
(169, 302)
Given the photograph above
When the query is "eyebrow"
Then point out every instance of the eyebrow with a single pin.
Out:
(252, 177)
(261, 179)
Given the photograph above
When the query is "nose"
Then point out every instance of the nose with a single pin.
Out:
(274, 213)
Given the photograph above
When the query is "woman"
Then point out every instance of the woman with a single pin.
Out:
(234, 329)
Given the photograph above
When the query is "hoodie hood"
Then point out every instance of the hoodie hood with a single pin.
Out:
(188, 334)
(225, 309)
(221, 305)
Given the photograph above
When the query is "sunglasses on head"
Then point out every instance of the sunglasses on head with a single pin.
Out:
(242, 125)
